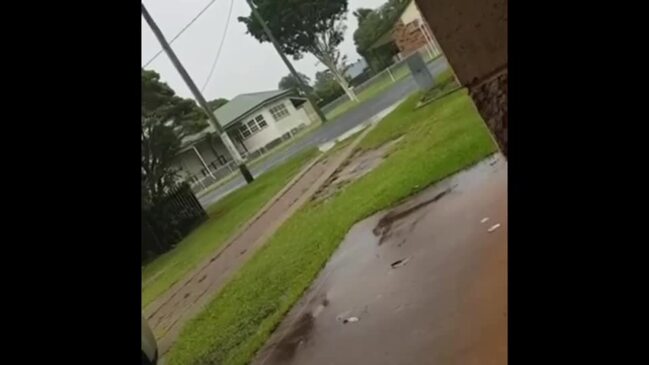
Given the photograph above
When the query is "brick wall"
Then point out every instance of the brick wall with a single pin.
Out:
(408, 37)
(473, 37)
(490, 97)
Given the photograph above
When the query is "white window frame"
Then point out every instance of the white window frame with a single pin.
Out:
(243, 128)
(279, 111)
(251, 127)
(260, 119)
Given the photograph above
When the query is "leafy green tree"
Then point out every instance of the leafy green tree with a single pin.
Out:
(217, 103)
(372, 24)
(326, 88)
(315, 26)
(166, 119)
(289, 82)
(361, 14)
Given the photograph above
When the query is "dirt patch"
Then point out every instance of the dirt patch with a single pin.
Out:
(384, 226)
(176, 310)
(359, 164)
(299, 334)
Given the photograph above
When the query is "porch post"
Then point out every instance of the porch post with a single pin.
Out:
(429, 44)
(203, 162)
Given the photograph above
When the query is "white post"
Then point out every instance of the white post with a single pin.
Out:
(230, 146)
(433, 41)
(391, 75)
(429, 46)
(203, 162)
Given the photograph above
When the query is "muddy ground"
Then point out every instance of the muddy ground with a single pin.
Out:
(359, 164)
(168, 313)
(423, 283)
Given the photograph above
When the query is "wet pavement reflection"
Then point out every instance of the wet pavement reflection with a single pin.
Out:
(423, 283)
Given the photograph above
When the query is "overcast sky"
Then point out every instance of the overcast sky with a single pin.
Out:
(245, 65)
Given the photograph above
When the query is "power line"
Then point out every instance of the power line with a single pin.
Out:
(181, 32)
(218, 52)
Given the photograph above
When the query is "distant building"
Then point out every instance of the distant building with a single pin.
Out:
(356, 69)
(254, 122)
(409, 33)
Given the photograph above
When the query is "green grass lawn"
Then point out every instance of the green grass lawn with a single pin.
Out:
(439, 139)
(225, 217)
(373, 90)
(444, 83)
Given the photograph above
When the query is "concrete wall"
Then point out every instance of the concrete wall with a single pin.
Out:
(473, 36)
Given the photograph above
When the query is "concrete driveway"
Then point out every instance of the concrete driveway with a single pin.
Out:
(423, 283)
(330, 130)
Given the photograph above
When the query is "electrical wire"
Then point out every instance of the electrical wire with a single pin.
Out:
(218, 52)
(181, 31)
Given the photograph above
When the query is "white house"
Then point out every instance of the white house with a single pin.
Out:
(255, 122)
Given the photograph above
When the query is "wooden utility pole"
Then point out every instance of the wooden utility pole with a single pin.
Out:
(288, 64)
(199, 97)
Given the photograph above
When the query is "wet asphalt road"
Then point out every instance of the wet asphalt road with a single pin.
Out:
(330, 130)
(426, 283)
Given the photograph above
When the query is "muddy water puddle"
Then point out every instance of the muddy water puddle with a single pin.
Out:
(421, 283)
(359, 164)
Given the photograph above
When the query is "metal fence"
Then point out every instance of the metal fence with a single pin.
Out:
(391, 74)
(211, 176)
(169, 221)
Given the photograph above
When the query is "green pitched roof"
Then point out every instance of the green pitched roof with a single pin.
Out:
(244, 104)
(236, 108)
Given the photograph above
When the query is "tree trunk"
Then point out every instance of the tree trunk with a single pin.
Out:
(343, 83)
(340, 78)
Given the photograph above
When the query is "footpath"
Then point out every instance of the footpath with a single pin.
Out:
(167, 314)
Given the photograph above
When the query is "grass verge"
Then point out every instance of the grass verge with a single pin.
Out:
(439, 139)
(225, 217)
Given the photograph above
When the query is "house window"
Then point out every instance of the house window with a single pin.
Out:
(245, 132)
(279, 111)
(261, 121)
(251, 127)
(254, 128)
